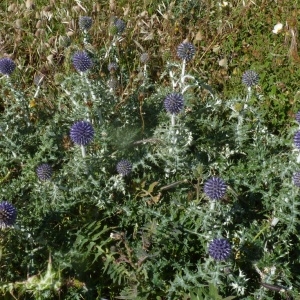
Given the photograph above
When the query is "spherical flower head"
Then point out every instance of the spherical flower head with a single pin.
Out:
(215, 188)
(297, 117)
(186, 51)
(81, 61)
(8, 214)
(113, 66)
(119, 25)
(82, 133)
(124, 167)
(7, 66)
(44, 172)
(219, 249)
(174, 103)
(250, 78)
(297, 139)
(296, 179)
(85, 23)
(144, 58)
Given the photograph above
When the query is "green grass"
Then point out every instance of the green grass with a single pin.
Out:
(90, 234)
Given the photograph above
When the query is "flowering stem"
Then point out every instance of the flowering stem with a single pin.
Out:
(249, 93)
(83, 152)
(37, 92)
(172, 80)
(172, 120)
(298, 158)
(238, 129)
(182, 77)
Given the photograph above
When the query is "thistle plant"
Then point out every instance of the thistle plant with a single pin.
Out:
(191, 192)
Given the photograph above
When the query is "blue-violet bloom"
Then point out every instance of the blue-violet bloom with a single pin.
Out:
(297, 139)
(186, 51)
(215, 188)
(82, 133)
(296, 179)
(219, 249)
(7, 66)
(174, 103)
(8, 214)
(81, 61)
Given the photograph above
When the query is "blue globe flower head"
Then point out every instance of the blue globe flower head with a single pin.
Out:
(7, 66)
(8, 214)
(186, 51)
(119, 25)
(219, 249)
(296, 179)
(85, 23)
(82, 133)
(297, 139)
(215, 188)
(297, 117)
(124, 167)
(250, 78)
(81, 61)
(174, 103)
(44, 172)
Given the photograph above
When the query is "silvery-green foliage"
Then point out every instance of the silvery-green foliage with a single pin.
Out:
(145, 235)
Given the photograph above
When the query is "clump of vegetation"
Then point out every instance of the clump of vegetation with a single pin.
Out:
(149, 150)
